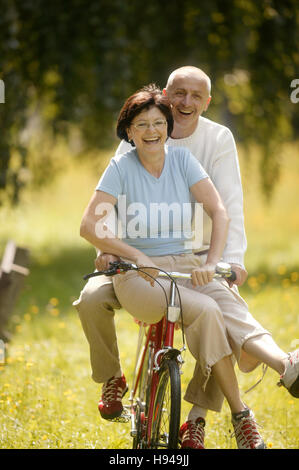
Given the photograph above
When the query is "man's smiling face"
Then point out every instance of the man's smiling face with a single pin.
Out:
(189, 95)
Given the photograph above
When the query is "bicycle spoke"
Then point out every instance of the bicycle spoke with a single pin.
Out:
(166, 418)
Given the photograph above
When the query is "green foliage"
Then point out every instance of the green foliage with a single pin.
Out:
(73, 63)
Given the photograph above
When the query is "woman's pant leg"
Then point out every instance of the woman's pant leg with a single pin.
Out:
(203, 321)
(96, 306)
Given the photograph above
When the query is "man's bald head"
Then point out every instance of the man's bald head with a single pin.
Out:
(189, 71)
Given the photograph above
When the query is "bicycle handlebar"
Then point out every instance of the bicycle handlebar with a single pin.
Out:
(117, 267)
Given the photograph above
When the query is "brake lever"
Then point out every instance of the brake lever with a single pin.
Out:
(117, 267)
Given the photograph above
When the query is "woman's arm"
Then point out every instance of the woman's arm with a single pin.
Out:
(94, 230)
(205, 192)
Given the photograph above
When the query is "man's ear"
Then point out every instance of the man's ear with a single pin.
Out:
(208, 103)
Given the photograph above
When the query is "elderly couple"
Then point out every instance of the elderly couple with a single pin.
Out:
(170, 154)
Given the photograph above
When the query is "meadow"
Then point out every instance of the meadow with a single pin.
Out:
(47, 397)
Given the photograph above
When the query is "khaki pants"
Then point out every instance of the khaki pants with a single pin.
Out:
(216, 319)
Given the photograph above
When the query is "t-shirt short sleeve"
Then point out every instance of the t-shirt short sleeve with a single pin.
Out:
(194, 170)
(111, 180)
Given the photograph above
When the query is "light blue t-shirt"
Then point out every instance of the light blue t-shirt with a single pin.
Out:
(154, 213)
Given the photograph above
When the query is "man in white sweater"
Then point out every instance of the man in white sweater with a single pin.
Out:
(214, 147)
(188, 89)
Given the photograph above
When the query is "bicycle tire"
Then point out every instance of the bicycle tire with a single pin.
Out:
(167, 407)
(142, 401)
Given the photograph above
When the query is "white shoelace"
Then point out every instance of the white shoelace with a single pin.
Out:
(246, 432)
(195, 431)
(110, 392)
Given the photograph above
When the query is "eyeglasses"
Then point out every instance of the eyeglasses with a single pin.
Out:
(141, 126)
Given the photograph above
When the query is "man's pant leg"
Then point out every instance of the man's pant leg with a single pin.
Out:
(240, 326)
(96, 306)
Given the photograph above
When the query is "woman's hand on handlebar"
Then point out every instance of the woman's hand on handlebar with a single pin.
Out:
(203, 274)
(151, 268)
(103, 259)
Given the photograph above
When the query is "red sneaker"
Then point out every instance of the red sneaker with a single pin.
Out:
(246, 432)
(192, 434)
(110, 405)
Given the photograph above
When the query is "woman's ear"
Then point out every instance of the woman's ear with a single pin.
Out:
(129, 134)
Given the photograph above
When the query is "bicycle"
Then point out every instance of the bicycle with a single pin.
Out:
(155, 396)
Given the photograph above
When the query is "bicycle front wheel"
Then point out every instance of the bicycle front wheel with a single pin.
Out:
(167, 407)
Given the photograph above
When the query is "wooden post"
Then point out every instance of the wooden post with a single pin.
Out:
(14, 268)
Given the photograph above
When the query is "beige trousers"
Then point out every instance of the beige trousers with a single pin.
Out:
(216, 320)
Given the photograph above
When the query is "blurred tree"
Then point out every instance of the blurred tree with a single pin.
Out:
(73, 63)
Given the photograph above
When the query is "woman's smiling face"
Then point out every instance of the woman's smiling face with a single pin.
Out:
(148, 130)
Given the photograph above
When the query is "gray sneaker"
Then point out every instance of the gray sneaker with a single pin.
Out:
(290, 379)
(246, 432)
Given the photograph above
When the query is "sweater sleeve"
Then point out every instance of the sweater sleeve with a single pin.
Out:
(123, 147)
(227, 179)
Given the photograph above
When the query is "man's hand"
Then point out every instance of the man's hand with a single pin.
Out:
(241, 275)
(103, 260)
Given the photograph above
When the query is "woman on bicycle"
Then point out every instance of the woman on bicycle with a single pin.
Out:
(149, 176)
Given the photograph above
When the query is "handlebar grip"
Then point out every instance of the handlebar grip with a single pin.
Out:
(232, 276)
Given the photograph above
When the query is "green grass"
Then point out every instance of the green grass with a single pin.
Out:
(47, 397)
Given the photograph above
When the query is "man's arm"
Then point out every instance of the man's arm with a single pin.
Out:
(227, 179)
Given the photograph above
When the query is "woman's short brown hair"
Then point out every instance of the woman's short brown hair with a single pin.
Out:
(145, 98)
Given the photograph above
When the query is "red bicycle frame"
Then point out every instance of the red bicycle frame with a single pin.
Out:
(159, 341)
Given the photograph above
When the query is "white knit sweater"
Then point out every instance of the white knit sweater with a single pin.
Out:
(214, 147)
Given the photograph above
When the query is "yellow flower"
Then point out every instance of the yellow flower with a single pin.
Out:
(269, 445)
(294, 276)
(53, 301)
(282, 269)
(34, 309)
(261, 277)
(54, 312)
(27, 316)
(252, 282)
